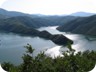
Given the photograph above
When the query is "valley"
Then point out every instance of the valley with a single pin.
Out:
(45, 33)
(12, 45)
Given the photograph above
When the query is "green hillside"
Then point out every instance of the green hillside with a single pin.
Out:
(86, 25)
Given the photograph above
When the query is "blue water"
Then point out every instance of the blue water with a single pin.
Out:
(12, 45)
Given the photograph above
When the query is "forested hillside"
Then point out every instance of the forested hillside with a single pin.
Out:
(43, 20)
(86, 25)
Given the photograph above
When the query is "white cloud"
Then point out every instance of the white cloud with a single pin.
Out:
(50, 6)
(54, 52)
(2, 1)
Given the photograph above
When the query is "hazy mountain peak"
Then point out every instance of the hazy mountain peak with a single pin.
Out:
(82, 14)
(2, 11)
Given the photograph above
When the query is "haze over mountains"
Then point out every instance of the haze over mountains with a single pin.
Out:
(31, 21)
(18, 22)
(82, 14)
(14, 13)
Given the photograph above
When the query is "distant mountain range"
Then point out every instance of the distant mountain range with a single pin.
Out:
(25, 24)
(82, 14)
(18, 22)
(11, 13)
(14, 13)
(34, 21)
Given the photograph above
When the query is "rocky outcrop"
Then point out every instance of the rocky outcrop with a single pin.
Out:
(57, 38)
(45, 34)
(61, 39)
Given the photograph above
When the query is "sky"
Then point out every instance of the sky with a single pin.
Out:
(50, 7)
(2, 1)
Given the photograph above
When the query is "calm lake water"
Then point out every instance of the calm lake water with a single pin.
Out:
(12, 45)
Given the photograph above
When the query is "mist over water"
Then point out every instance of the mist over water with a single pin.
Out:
(12, 45)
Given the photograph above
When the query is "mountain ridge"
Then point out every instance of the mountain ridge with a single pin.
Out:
(15, 13)
(85, 26)
(82, 14)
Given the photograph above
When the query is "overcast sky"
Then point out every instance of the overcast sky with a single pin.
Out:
(50, 7)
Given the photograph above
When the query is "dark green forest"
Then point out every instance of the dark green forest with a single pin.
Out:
(71, 62)
(85, 25)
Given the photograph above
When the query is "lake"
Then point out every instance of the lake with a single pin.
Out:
(12, 45)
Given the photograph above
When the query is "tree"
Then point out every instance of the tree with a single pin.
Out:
(79, 62)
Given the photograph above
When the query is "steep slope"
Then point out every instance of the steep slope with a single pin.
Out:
(3, 16)
(85, 25)
(59, 20)
(45, 20)
(16, 27)
(27, 21)
(22, 29)
(38, 22)
(24, 20)
(11, 13)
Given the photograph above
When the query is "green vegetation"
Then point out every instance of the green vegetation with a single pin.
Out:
(35, 20)
(23, 25)
(15, 26)
(83, 25)
(71, 62)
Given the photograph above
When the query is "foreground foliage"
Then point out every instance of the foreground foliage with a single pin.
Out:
(71, 62)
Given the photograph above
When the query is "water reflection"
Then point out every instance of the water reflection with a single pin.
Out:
(81, 42)
(54, 52)
(12, 45)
